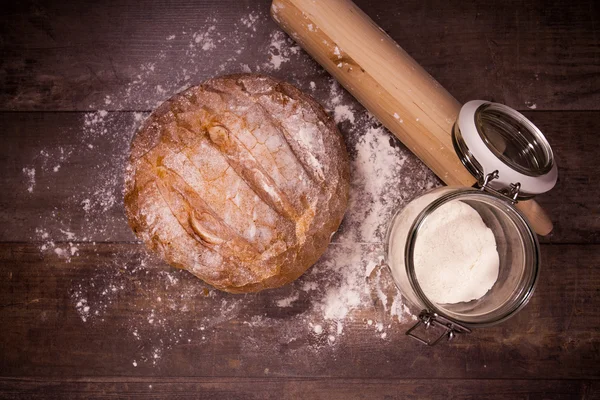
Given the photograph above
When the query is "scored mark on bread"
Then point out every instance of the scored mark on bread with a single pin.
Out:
(300, 154)
(177, 156)
(198, 219)
(234, 151)
(305, 158)
(245, 165)
(249, 169)
(165, 248)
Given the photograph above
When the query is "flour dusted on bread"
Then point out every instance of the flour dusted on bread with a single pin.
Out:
(240, 180)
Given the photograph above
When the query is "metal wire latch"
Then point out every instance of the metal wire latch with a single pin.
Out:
(511, 194)
(430, 319)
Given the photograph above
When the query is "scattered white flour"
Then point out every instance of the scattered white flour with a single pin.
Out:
(530, 105)
(83, 309)
(343, 113)
(30, 174)
(160, 90)
(346, 285)
(371, 265)
(341, 299)
(205, 38)
(337, 52)
(280, 50)
(375, 160)
(287, 302)
(250, 20)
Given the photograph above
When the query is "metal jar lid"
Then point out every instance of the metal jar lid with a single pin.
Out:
(504, 150)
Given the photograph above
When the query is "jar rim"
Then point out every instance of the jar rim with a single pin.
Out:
(471, 193)
(544, 152)
(520, 139)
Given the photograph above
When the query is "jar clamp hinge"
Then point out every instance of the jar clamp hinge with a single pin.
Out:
(511, 193)
(430, 319)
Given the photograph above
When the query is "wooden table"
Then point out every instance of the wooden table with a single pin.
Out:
(85, 312)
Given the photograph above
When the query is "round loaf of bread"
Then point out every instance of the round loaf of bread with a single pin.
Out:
(241, 180)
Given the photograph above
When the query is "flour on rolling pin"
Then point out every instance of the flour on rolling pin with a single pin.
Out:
(389, 83)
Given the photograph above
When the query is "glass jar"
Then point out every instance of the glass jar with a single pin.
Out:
(498, 145)
(517, 247)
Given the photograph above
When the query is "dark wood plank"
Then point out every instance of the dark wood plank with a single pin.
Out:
(573, 204)
(71, 55)
(84, 196)
(79, 297)
(145, 319)
(518, 53)
(295, 388)
(78, 179)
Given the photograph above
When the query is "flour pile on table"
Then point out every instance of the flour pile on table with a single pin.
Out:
(338, 295)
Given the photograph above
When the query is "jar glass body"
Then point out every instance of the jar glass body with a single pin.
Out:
(516, 244)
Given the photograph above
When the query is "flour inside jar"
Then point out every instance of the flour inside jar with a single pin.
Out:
(455, 255)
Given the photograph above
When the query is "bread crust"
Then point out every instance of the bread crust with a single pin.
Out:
(241, 180)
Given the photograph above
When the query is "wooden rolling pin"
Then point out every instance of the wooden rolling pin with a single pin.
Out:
(388, 82)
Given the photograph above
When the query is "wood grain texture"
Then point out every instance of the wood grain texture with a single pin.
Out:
(389, 83)
(77, 57)
(295, 388)
(70, 55)
(44, 334)
(36, 140)
(382, 77)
